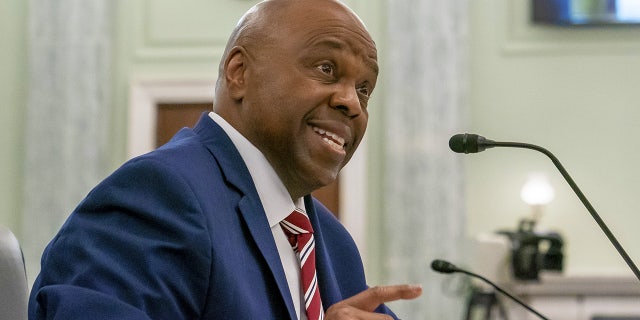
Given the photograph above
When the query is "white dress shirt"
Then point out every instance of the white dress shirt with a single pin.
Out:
(277, 204)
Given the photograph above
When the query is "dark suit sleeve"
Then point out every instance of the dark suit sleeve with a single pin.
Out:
(136, 248)
(74, 302)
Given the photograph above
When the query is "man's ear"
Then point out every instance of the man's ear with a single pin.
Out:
(235, 72)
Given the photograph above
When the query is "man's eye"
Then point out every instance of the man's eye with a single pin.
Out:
(364, 91)
(326, 68)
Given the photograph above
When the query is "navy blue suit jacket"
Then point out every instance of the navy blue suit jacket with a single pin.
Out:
(180, 233)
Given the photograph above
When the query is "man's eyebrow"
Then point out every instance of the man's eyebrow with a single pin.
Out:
(331, 43)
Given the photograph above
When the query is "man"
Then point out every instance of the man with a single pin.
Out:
(196, 229)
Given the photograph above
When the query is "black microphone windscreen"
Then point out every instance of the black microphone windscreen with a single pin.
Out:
(443, 266)
(457, 143)
(469, 143)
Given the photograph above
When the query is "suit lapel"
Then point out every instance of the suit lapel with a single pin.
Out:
(251, 210)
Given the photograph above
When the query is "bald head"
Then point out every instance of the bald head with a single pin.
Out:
(272, 20)
(267, 16)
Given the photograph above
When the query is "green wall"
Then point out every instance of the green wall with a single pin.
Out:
(13, 81)
(573, 91)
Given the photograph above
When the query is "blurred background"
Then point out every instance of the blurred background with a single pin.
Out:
(86, 85)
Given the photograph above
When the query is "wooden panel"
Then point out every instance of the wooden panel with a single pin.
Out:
(171, 117)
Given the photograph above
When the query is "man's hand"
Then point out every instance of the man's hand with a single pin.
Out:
(361, 306)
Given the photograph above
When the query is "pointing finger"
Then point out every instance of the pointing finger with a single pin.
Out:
(375, 296)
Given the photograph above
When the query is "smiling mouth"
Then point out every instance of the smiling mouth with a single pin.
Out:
(330, 138)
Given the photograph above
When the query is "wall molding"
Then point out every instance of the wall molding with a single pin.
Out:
(165, 31)
(146, 94)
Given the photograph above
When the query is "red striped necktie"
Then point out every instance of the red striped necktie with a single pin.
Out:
(298, 229)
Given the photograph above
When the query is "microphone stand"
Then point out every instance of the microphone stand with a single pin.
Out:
(503, 292)
(572, 184)
(443, 266)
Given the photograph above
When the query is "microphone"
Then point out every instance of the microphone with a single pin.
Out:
(469, 143)
(443, 266)
(447, 267)
(473, 143)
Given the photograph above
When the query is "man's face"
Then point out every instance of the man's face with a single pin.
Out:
(305, 106)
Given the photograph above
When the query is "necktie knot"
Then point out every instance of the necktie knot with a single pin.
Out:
(297, 223)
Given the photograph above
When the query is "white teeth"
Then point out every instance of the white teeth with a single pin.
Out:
(332, 143)
(335, 140)
(335, 136)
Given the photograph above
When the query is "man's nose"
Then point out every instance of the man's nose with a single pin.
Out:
(346, 99)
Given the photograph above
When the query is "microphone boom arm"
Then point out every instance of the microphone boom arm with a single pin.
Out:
(503, 292)
(443, 266)
(578, 192)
